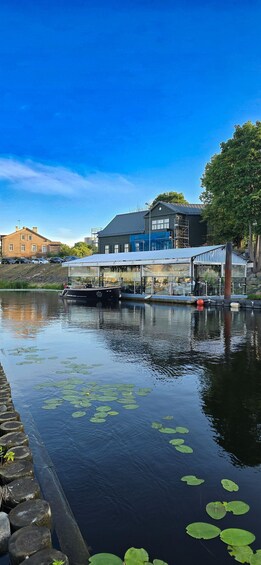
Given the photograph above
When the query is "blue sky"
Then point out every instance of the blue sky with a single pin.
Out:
(106, 103)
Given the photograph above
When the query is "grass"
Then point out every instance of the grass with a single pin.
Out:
(254, 296)
(21, 285)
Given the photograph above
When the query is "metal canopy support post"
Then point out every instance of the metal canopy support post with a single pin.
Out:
(228, 271)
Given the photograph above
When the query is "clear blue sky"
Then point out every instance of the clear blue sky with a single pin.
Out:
(106, 103)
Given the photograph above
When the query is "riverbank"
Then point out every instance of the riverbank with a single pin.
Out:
(32, 276)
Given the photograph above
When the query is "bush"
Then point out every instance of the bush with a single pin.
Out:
(254, 296)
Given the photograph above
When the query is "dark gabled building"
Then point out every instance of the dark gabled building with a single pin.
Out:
(164, 226)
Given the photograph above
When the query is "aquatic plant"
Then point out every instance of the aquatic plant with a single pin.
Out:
(192, 480)
(133, 556)
(202, 530)
(9, 456)
(57, 562)
(229, 485)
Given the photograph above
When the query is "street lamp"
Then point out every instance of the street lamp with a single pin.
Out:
(147, 204)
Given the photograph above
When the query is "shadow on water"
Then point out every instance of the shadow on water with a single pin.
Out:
(123, 480)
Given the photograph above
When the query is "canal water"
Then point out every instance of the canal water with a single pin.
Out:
(103, 385)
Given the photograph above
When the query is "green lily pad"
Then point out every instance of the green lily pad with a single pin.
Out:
(192, 480)
(78, 414)
(167, 418)
(237, 507)
(135, 556)
(202, 530)
(167, 430)
(177, 441)
(105, 558)
(241, 554)
(229, 485)
(184, 448)
(237, 537)
(49, 407)
(156, 425)
(159, 562)
(216, 510)
(130, 406)
(113, 413)
(103, 408)
(256, 558)
(181, 430)
(98, 420)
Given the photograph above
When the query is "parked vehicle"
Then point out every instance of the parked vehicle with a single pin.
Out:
(70, 258)
(39, 260)
(56, 260)
(8, 261)
(22, 260)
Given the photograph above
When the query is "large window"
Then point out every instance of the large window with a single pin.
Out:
(29, 238)
(44, 248)
(160, 224)
(34, 247)
(22, 236)
(11, 247)
(22, 247)
(106, 249)
(116, 248)
(126, 247)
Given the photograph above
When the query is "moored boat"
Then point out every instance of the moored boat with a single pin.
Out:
(91, 295)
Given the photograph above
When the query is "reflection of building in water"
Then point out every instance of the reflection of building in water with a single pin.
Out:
(27, 314)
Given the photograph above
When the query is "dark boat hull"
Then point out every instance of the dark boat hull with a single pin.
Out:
(91, 296)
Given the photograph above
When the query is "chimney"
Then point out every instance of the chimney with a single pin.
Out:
(35, 229)
(17, 228)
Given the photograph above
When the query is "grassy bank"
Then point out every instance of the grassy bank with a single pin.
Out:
(32, 276)
(16, 285)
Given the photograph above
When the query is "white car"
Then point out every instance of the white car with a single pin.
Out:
(40, 260)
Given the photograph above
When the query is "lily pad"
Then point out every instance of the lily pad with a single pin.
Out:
(130, 406)
(97, 420)
(237, 507)
(78, 414)
(237, 537)
(156, 425)
(192, 480)
(184, 448)
(102, 558)
(159, 562)
(177, 441)
(135, 556)
(229, 485)
(167, 430)
(113, 413)
(202, 530)
(242, 554)
(256, 558)
(166, 418)
(216, 510)
(103, 408)
(181, 430)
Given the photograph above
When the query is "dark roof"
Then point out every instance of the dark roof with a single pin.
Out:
(130, 223)
(188, 209)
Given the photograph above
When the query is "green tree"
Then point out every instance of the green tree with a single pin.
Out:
(65, 250)
(81, 249)
(171, 197)
(232, 190)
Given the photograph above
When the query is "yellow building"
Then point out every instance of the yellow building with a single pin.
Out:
(26, 242)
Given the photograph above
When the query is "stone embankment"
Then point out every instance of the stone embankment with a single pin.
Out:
(35, 274)
(25, 518)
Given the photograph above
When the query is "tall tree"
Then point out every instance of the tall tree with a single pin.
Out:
(81, 249)
(232, 190)
(171, 197)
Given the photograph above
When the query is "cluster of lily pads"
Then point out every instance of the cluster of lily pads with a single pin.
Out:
(178, 443)
(237, 540)
(133, 556)
(84, 396)
(30, 354)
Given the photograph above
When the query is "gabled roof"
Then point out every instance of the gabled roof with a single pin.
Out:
(27, 229)
(188, 209)
(122, 224)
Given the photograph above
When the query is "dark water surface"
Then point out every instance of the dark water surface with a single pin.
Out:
(122, 478)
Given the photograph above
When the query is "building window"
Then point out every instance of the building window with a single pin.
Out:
(106, 249)
(30, 238)
(160, 224)
(44, 249)
(22, 247)
(116, 248)
(22, 236)
(11, 247)
(34, 247)
(126, 247)
(137, 246)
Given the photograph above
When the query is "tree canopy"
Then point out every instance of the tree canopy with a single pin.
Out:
(232, 190)
(172, 197)
(80, 249)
